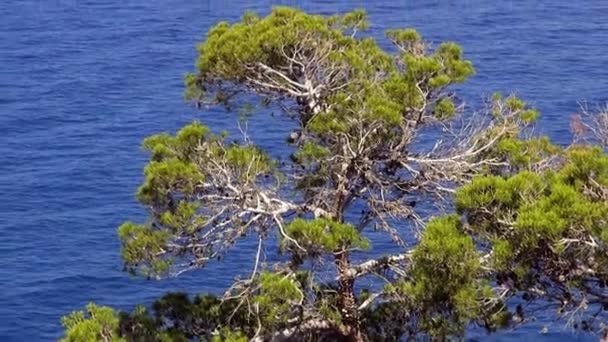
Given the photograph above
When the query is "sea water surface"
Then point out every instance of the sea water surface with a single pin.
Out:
(83, 81)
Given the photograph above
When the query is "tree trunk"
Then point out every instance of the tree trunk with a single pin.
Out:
(348, 303)
(346, 292)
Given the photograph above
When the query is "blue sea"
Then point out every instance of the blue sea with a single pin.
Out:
(83, 82)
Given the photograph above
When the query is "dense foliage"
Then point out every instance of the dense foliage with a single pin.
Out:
(485, 218)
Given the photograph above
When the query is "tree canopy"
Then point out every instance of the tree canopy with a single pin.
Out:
(487, 219)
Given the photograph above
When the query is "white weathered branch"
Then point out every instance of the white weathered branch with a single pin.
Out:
(375, 264)
(289, 333)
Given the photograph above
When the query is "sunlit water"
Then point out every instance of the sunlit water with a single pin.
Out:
(82, 82)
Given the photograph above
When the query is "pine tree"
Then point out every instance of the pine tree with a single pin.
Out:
(529, 221)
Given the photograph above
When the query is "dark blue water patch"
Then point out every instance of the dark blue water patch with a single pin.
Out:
(83, 82)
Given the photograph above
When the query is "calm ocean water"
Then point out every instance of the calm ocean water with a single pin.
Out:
(82, 82)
